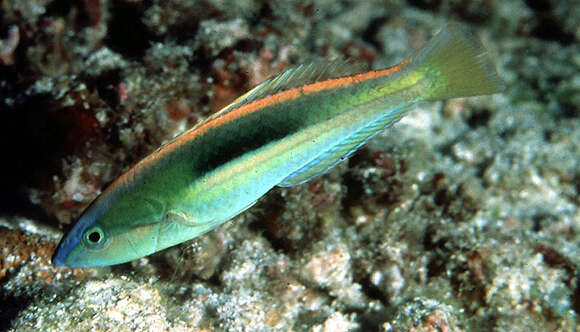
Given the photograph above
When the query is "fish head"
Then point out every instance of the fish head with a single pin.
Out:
(112, 230)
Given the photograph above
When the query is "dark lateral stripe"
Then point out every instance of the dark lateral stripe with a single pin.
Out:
(295, 95)
(225, 143)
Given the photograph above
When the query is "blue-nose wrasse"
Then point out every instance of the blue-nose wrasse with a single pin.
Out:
(284, 132)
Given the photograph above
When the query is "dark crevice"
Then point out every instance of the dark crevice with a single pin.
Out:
(107, 85)
(184, 32)
(272, 209)
(277, 243)
(372, 291)
(440, 252)
(549, 29)
(541, 220)
(39, 140)
(215, 280)
(355, 189)
(482, 168)
(539, 5)
(432, 5)
(568, 111)
(546, 25)
(370, 34)
(576, 296)
(203, 61)
(479, 118)
(264, 16)
(10, 306)
(127, 34)
(469, 11)
(436, 266)
(248, 45)
(447, 148)
(58, 8)
(548, 134)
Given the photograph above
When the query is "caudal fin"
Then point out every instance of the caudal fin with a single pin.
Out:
(459, 65)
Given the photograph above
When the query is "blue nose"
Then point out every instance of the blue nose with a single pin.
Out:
(66, 245)
(59, 257)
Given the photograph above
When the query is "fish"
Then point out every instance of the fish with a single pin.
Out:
(284, 132)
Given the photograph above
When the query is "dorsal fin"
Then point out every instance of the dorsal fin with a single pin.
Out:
(316, 71)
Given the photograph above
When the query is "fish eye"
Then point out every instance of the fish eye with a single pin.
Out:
(94, 237)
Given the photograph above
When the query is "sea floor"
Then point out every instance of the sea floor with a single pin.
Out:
(464, 216)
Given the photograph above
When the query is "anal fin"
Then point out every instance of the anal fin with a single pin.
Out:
(341, 151)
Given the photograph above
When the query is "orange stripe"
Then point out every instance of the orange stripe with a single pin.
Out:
(289, 95)
(271, 100)
(349, 80)
(297, 92)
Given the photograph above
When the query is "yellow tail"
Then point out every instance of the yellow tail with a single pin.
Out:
(459, 64)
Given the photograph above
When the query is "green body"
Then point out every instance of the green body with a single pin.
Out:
(275, 136)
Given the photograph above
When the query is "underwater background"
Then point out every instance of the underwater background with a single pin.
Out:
(464, 216)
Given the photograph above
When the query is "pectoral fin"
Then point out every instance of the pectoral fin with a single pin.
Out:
(180, 217)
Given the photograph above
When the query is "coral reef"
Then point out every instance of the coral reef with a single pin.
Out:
(463, 216)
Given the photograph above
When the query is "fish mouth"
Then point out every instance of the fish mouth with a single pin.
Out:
(62, 251)
(66, 246)
(59, 257)
(65, 255)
